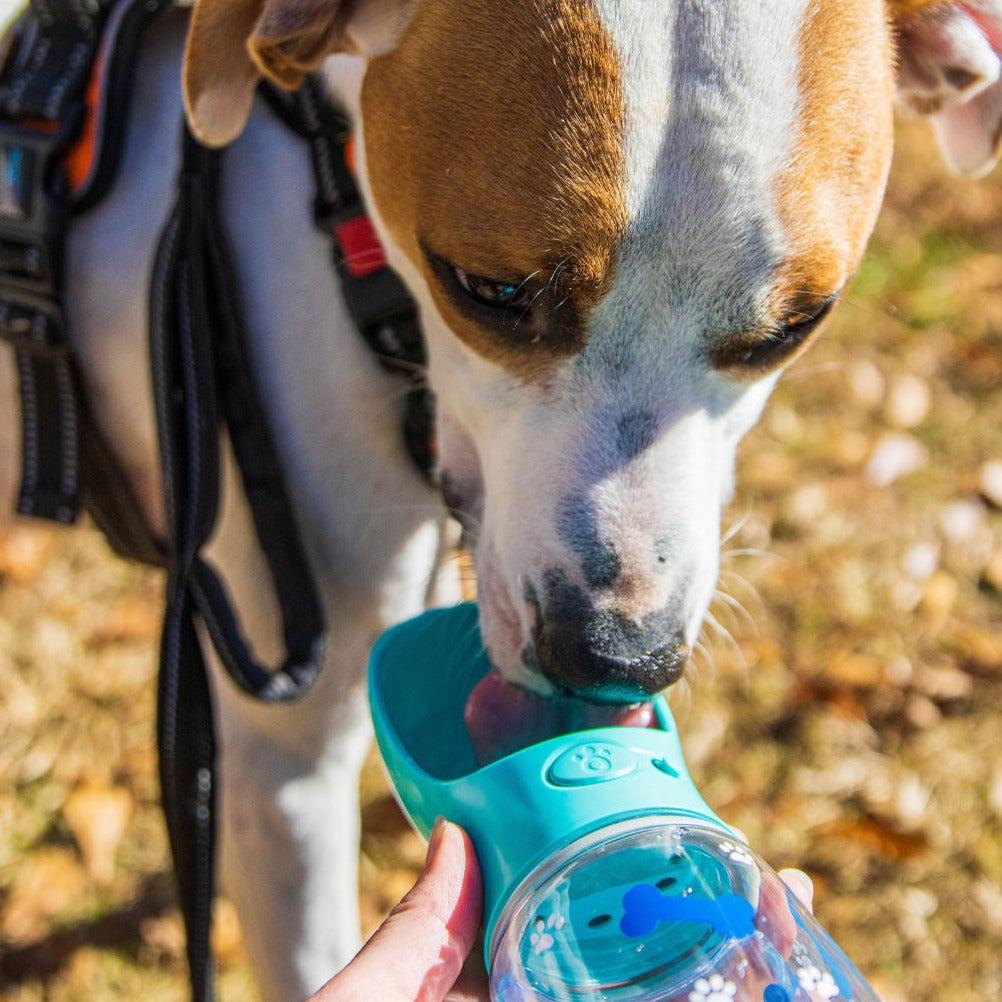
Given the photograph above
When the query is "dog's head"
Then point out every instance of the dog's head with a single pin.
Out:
(621, 219)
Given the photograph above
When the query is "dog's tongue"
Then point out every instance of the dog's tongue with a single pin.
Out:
(502, 718)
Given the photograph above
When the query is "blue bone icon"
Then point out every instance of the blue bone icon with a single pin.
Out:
(645, 908)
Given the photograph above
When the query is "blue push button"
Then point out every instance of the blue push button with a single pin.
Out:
(591, 762)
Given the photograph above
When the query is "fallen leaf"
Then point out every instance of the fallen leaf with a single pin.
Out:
(943, 683)
(939, 595)
(49, 882)
(97, 816)
(130, 618)
(163, 937)
(877, 836)
(83, 969)
(24, 552)
(852, 669)
(908, 402)
(980, 648)
(895, 455)
(990, 481)
(227, 938)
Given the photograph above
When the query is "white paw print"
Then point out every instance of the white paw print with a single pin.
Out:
(821, 983)
(738, 853)
(713, 989)
(541, 937)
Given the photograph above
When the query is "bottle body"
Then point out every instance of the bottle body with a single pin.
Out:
(661, 909)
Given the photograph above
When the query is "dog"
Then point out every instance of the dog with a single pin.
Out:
(620, 220)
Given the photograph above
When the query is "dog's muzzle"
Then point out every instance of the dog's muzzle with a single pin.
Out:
(603, 656)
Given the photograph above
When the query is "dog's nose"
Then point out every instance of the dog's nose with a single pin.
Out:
(607, 658)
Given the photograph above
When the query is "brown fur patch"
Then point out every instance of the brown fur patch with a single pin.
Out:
(831, 190)
(494, 140)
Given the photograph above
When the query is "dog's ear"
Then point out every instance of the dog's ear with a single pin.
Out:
(949, 70)
(232, 44)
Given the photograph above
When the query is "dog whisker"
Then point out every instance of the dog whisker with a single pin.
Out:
(730, 580)
(725, 637)
(739, 523)
(747, 551)
(737, 610)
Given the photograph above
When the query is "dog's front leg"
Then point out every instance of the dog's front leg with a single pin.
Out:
(290, 829)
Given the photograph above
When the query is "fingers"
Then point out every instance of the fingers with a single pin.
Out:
(417, 953)
(801, 885)
(798, 881)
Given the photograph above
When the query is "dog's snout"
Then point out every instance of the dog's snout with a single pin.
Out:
(603, 655)
(583, 660)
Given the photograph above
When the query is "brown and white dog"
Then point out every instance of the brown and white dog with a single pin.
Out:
(621, 220)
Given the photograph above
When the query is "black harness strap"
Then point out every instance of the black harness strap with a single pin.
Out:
(380, 305)
(41, 104)
(202, 378)
(54, 49)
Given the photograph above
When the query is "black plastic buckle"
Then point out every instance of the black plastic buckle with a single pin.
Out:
(374, 299)
(33, 218)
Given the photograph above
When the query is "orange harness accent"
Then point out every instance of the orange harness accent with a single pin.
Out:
(81, 160)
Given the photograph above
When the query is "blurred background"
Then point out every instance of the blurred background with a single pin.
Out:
(844, 708)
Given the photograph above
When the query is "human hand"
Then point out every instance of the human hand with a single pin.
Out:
(417, 954)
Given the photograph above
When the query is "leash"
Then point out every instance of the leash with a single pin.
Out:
(202, 379)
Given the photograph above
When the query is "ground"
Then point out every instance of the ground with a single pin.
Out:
(844, 710)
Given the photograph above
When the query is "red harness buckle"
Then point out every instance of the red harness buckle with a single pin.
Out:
(360, 248)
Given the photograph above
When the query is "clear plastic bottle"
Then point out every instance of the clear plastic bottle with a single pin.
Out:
(654, 909)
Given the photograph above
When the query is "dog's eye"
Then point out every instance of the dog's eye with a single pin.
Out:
(755, 353)
(804, 318)
(497, 293)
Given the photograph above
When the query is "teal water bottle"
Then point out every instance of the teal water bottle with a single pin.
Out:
(607, 878)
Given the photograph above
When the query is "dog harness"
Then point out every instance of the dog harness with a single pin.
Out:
(62, 122)
(62, 117)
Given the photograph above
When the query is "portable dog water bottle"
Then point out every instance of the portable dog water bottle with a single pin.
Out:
(606, 875)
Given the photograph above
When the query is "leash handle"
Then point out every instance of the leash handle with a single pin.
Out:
(203, 381)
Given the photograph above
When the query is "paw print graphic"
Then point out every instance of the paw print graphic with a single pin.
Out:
(737, 853)
(541, 937)
(713, 989)
(820, 984)
(594, 758)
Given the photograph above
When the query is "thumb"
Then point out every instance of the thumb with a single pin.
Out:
(417, 953)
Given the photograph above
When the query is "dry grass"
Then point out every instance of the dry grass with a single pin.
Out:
(845, 714)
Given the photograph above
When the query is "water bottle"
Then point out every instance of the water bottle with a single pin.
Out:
(606, 875)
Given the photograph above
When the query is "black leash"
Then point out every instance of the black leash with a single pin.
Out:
(202, 378)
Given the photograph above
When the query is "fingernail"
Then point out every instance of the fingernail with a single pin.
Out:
(805, 882)
(435, 839)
